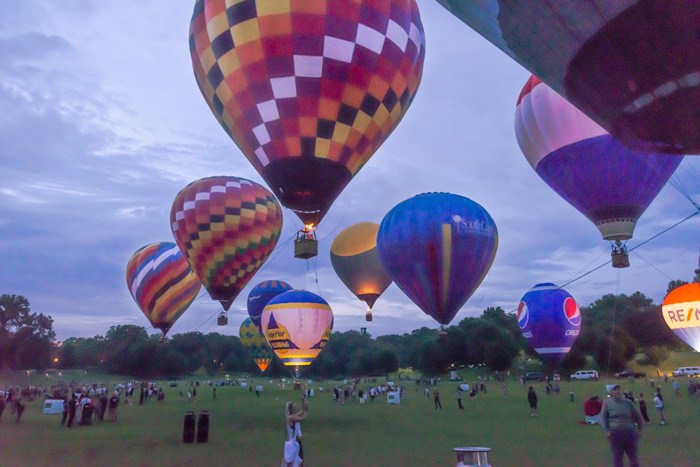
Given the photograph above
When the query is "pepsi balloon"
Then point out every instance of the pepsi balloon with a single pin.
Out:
(550, 320)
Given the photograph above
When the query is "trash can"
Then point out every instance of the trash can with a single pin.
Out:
(472, 456)
(203, 427)
(188, 429)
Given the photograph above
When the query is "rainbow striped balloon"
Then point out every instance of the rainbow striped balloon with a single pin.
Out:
(162, 283)
(226, 227)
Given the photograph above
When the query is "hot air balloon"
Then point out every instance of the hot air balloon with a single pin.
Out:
(161, 283)
(226, 227)
(260, 295)
(550, 320)
(681, 310)
(607, 182)
(438, 247)
(307, 91)
(633, 65)
(256, 344)
(297, 324)
(356, 261)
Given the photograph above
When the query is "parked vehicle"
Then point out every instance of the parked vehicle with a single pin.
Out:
(534, 376)
(585, 374)
(687, 371)
(628, 373)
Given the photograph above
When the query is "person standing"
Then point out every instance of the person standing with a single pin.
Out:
(532, 400)
(72, 404)
(459, 397)
(623, 423)
(659, 405)
(643, 408)
(436, 398)
(112, 404)
(294, 420)
(676, 388)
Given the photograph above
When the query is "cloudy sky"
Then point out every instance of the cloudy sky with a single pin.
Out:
(101, 124)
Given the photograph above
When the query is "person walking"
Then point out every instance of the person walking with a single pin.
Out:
(623, 423)
(294, 457)
(532, 400)
(659, 405)
(436, 398)
(643, 408)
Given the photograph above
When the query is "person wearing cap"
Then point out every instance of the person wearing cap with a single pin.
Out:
(623, 423)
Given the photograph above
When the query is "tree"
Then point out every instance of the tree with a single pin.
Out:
(25, 338)
(673, 285)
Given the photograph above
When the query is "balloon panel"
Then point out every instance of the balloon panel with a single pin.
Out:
(681, 310)
(297, 325)
(550, 320)
(162, 283)
(356, 261)
(452, 241)
(256, 344)
(227, 227)
(607, 182)
(260, 295)
(604, 57)
(307, 91)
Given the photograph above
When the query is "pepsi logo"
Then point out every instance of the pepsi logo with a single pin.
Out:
(572, 312)
(523, 315)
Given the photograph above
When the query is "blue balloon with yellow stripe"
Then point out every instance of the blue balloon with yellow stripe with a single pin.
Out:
(438, 247)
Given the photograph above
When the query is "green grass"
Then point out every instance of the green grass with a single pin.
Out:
(246, 430)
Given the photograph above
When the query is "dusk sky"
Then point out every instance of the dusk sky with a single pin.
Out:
(102, 124)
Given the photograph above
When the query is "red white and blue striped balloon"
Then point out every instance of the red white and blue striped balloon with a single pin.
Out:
(550, 320)
(607, 182)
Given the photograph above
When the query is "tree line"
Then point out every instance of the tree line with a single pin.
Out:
(614, 330)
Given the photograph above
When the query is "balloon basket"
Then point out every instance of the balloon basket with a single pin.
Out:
(305, 245)
(620, 258)
(222, 320)
(368, 316)
(442, 335)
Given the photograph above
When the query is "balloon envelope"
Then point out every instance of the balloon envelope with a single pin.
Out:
(356, 261)
(607, 182)
(631, 65)
(161, 283)
(260, 295)
(226, 227)
(297, 324)
(452, 242)
(307, 91)
(550, 320)
(681, 310)
(256, 344)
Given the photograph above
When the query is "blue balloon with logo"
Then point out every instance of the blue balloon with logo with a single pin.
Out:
(260, 295)
(550, 320)
(438, 247)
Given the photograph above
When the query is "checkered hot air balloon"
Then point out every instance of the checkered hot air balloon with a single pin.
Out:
(226, 227)
(256, 344)
(161, 283)
(308, 90)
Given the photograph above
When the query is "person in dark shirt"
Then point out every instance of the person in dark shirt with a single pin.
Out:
(72, 404)
(532, 400)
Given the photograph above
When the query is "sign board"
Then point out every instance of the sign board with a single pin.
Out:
(52, 406)
(393, 397)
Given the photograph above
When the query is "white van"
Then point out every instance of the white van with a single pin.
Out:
(687, 371)
(585, 374)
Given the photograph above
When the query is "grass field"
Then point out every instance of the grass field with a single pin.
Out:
(249, 431)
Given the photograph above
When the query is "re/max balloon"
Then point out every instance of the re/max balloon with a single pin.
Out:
(355, 259)
(307, 90)
(608, 183)
(632, 65)
(226, 227)
(260, 295)
(681, 310)
(256, 344)
(438, 247)
(161, 283)
(297, 324)
(550, 320)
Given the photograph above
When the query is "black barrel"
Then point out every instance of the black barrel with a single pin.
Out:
(203, 427)
(188, 429)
